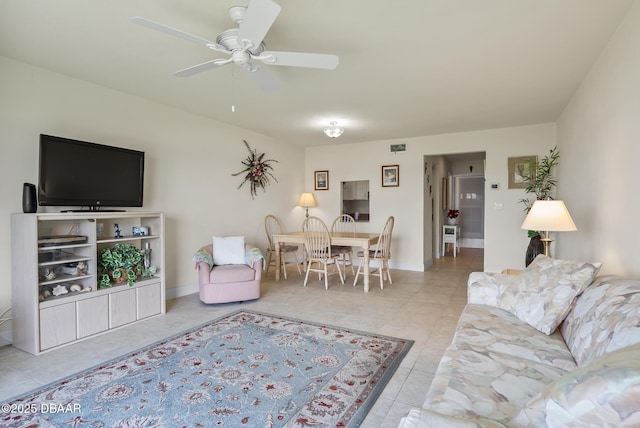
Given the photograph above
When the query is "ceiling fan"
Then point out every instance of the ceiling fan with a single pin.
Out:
(245, 45)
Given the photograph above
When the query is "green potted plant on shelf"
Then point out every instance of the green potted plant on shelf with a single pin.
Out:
(124, 262)
(540, 183)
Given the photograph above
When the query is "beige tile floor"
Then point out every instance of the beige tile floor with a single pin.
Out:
(422, 306)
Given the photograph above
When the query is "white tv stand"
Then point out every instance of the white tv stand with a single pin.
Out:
(44, 323)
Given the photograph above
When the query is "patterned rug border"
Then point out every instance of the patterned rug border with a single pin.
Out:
(355, 421)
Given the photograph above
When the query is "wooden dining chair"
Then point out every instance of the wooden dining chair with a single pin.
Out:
(344, 223)
(380, 255)
(272, 226)
(318, 249)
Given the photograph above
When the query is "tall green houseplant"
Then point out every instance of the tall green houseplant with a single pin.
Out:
(540, 183)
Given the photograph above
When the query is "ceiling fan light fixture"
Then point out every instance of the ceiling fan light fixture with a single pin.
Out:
(244, 44)
(333, 131)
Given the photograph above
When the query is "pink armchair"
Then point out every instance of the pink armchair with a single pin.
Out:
(229, 283)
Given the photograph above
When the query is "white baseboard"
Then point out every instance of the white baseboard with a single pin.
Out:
(172, 293)
(471, 243)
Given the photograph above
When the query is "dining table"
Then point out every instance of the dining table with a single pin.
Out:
(351, 239)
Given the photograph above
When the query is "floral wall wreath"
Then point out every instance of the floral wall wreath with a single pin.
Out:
(257, 171)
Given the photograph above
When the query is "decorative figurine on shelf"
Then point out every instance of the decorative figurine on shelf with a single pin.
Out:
(60, 289)
(46, 293)
(118, 231)
(146, 256)
(47, 274)
(81, 268)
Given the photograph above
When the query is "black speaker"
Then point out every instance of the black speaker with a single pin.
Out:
(29, 201)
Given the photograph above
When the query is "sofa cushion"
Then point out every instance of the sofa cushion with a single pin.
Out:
(541, 296)
(605, 392)
(475, 382)
(606, 317)
(228, 250)
(231, 273)
(495, 330)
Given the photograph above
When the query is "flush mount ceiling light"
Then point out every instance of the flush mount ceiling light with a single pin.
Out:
(333, 131)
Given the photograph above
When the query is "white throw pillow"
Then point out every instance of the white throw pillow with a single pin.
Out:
(228, 250)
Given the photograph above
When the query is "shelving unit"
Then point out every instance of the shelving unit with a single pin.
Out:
(46, 252)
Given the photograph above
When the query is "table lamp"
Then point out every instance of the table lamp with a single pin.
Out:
(307, 200)
(549, 216)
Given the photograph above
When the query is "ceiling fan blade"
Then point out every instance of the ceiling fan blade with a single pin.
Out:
(190, 71)
(177, 33)
(299, 59)
(259, 17)
(260, 77)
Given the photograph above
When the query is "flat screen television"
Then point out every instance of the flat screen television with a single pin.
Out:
(89, 175)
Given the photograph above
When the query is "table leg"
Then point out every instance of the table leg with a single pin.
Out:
(277, 245)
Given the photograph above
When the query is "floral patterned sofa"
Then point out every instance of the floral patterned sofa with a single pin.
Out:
(552, 347)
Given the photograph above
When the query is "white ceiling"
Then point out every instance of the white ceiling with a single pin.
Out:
(407, 67)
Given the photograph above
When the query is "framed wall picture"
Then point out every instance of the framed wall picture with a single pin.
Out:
(390, 175)
(520, 170)
(321, 180)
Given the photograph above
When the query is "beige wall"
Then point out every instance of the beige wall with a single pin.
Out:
(189, 162)
(599, 141)
(505, 243)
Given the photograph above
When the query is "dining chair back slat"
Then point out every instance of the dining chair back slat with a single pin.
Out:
(344, 223)
(380, 255)
(318, 249)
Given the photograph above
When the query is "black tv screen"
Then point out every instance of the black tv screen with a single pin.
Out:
(82, 174)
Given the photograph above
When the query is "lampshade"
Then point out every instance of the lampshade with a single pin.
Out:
(307, 200)
(333, 131)
(551, 216)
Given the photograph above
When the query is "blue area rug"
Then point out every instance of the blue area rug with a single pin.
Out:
(243, 369)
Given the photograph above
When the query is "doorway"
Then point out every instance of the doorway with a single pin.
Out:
(442, 191)
(468, 191)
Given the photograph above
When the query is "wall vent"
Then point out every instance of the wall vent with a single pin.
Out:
(395, 148)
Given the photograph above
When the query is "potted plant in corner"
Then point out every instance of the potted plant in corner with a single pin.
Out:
(124, 262)
(542, 184)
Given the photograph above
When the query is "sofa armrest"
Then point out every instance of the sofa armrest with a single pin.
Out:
(204, 257)
(486, 288)
(253, 257)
